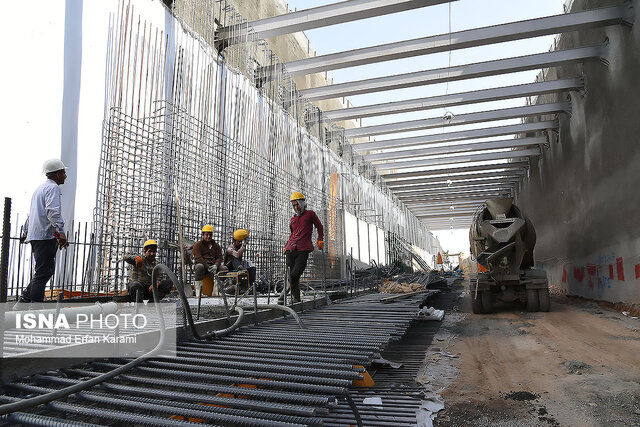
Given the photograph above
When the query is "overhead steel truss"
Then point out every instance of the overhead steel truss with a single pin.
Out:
(418, 194)
(453, 137)
(459, 159)
(442, 205)
(316, 17)
(456, 184)
(460, 72)
(455, 149)
(468, 213)
(417, 182)
(622, 14)
(519, 166)
(423, 152)
(462, 119)
(459, 196)
(461, 98)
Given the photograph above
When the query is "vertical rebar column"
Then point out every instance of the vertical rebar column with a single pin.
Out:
(4, 258)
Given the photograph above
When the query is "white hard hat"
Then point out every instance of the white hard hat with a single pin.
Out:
(53, 165)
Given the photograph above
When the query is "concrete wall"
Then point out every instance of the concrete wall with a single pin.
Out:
(583, 194)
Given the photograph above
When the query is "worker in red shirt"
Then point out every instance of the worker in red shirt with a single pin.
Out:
(299, 244)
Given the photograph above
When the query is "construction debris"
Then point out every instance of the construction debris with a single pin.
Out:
(390, 286)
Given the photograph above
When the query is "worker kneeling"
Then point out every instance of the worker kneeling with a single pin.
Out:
(140, 286)
(208, 258)
(234, 253)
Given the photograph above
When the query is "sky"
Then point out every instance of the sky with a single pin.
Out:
(455, 16)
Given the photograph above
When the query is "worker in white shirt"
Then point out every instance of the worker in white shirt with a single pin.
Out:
(45, 229)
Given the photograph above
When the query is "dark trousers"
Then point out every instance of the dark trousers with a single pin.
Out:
(297, 262)
(44, 254)
(142, 290)
(199, 271)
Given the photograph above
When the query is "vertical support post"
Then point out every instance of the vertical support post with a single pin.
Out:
(4, 258)
(255, 301)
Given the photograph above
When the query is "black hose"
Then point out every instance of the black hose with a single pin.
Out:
(209, 335)
(59, 394)
(354, 409)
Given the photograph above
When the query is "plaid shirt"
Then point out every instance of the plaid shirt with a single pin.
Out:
(141, 274)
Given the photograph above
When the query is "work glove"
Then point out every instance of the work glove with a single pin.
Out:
(213, 270)
(139, 261)
(320, 244)
(62, 239)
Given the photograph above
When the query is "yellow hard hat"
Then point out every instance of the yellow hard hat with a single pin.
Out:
(240, 234)
(207, 229)
(297, 196)
(149, 242)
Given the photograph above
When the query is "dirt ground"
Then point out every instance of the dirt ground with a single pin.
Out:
(577, 365)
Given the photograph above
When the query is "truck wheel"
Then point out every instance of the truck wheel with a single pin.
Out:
(532, 300)
(543, 299)
(487, 302)
(476, 303)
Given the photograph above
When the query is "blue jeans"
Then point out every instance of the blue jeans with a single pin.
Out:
(44, 254)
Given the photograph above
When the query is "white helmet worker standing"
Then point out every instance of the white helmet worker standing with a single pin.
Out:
(45, 229)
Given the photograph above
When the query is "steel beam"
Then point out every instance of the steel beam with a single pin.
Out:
(461, 72)
(459, 159)
(316, 17)
(468, 213)
(456, 184)
(461, 224)
(455, 226)
(513, 166)
(410, 183)
(444, 191)
(459, 196)
(576, 21)
(445, 215)
(462, 119)
(451, 198)
(469, 209)
(395, 177)
(454, 136)
(453, 149)
(461, 98)
(443, 205)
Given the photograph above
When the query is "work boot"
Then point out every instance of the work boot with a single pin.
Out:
(198, 288)
(295, 293)
(21, 305)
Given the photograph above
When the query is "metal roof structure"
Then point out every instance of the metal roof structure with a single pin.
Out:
(442, 176)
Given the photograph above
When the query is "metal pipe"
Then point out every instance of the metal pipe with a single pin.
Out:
(4, 258)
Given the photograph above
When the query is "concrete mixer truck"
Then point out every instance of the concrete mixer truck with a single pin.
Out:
(502, 241)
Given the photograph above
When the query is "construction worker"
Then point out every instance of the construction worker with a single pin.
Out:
(233, 255)
(44, 229)
(208, 257)
(140, 286)
(299, 244)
